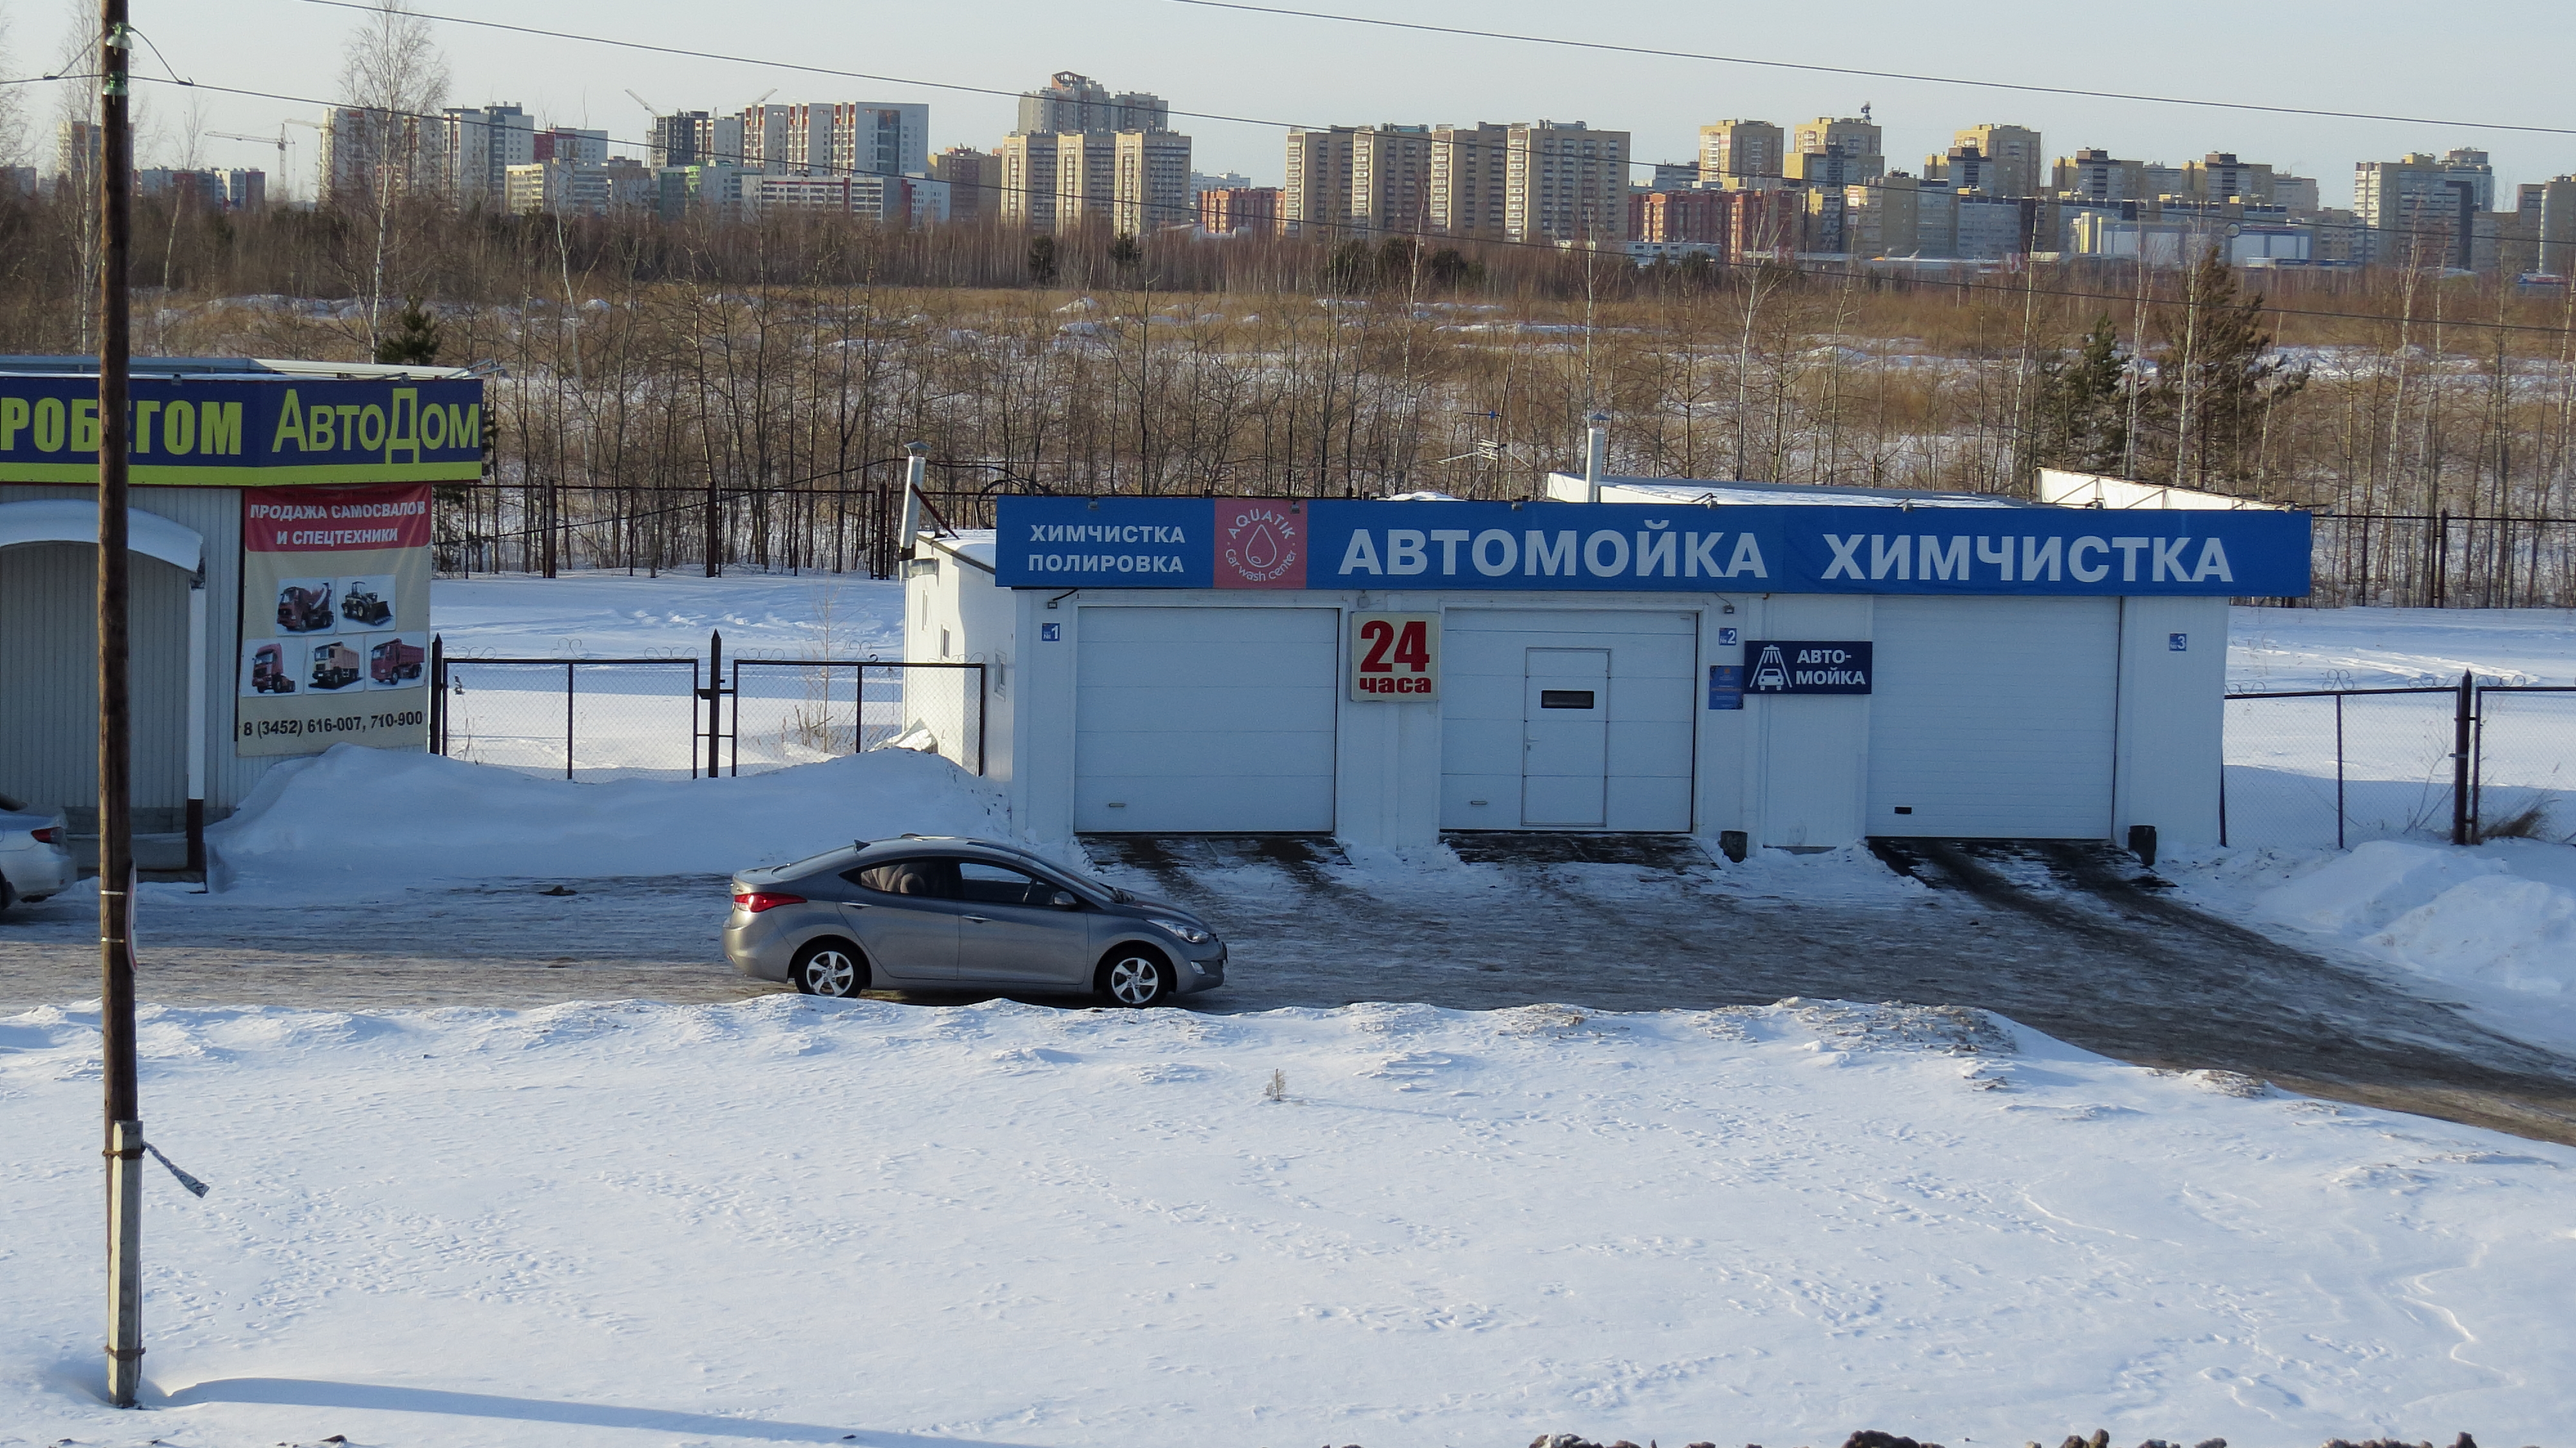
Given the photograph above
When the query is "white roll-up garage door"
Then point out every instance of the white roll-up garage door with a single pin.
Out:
(1206, 720)
(1994, 718)
(1567, 719)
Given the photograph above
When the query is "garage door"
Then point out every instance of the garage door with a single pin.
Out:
(1205, 720)
(1994, 717)
(1566, 719)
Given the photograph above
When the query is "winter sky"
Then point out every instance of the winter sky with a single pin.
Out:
(2494, 63)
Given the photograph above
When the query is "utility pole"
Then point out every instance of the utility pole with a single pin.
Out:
(124, 1149)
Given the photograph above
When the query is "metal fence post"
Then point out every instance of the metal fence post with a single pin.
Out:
(2460, 821)
(715, 697)
(983, 712)
(438, 694)
(2339, 809)
(567, 718)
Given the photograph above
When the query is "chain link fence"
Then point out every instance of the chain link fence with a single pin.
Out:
(660, 718)
(797, 711)
(2525, 780)
(2332, 768)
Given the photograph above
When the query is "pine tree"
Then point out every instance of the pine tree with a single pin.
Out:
(1042, 263)
(2217, 376)
(2083, 404)
(413, 339)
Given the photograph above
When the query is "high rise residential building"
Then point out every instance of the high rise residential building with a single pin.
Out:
(2096, 175)
(1742, 155)
(1027, 185)
(76, 152)
(974, 181)
(2422, 210)
(1151, 186)
(1071, 102)
(2549, 208)
(1316, 199)
(2013, 156)
(2219, 176)
(1836, 153)
(2294, 193)
(1764, 225)
(1966, 168)
(364, 150)
(1391, 179)
(1695, 215)
(677, 139)
(1469, 170)
(572, 147)
(1565, 182)
(1200, 182)
(477, 147)
(1884, 217)
(1227, 210)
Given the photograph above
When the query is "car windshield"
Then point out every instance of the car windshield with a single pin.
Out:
(1095, 882)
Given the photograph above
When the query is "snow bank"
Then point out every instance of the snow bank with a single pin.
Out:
(792, 1220)
(2519, 934)
(362, 818)
(2372, 886)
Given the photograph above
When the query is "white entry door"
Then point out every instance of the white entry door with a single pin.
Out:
(1206, 720)
(1508, 761)
(1565, 738)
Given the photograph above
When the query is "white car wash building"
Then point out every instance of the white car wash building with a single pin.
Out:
(1809, 666)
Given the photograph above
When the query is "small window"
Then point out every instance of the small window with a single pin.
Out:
(1565, 698)
(926, 879)
(1000, 885)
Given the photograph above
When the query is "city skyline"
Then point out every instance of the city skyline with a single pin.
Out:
(1360, 76)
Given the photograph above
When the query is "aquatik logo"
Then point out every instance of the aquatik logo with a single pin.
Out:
(1261, 543)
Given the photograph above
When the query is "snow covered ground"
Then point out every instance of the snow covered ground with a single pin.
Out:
(798, 1221)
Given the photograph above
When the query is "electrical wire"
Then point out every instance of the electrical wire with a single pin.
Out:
(1926, 79)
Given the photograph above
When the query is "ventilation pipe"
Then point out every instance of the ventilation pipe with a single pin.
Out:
(913, 468)
(1596, 455)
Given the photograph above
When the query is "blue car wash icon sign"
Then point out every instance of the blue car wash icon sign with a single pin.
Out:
(2178, 642)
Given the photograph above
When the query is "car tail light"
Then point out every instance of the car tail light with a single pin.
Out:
(756, 901)
(44, 836)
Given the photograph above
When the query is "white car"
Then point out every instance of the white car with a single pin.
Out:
(34, 858)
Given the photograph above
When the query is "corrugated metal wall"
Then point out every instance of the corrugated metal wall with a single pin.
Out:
(48, 637)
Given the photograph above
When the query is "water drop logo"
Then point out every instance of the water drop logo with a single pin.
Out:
(1261, 543)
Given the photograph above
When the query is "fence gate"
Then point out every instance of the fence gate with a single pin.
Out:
(2334, 767)
(798, 711)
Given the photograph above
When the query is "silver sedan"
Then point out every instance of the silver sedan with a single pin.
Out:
(930, 913)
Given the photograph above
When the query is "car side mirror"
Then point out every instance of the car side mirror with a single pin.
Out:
(1065, 900)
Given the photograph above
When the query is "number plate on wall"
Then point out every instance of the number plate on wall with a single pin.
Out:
(1395, 657)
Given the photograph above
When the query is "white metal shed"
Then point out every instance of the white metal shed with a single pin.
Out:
(1809, 666)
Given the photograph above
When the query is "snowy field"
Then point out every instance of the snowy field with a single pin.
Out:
(801, 1221)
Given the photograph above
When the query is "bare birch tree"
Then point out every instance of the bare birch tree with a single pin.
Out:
(392, 82)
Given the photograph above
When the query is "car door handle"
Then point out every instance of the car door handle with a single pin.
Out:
(978, 919)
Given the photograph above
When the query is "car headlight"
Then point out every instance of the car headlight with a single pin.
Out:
(1184, 930)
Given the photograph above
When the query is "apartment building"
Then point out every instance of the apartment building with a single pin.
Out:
(1150, 189)
(1232, 210)
(571, 186)
(1742, 155)
(2548, 210)
(1565, 182)
(1887, 217)
(1678, 216)
(1316, 199)
(849, 138)
(973, 179)
(365, 150)
(1071, 102)
(2219, 176)
(1470, 171)
(2422, 210)
(2096, 175)
(1836, 153)
(2014, 160)
(1390, 180)
(477, 147)
(76, 152)
(1027, 163)
(1765, 224)
(695, 138)
(1966, 168)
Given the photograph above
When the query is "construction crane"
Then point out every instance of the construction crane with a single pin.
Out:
(280, 141)
(650, 109)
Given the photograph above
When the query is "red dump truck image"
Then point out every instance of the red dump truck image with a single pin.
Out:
(268, 670)
(360, 604)
(393, 661)
(335, 666)
(304, 610)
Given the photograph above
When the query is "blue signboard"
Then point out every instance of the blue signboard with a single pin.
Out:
(1726, 685)
(247, 431)
(1807, 666)
(1641, 547)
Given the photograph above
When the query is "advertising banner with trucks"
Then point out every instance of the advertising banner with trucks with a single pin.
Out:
(334, 618)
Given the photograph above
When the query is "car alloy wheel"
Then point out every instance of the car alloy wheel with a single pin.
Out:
(1138, 980)
(828, 970)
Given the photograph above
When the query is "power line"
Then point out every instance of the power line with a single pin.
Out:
(1552, 249)
(2021, 86)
